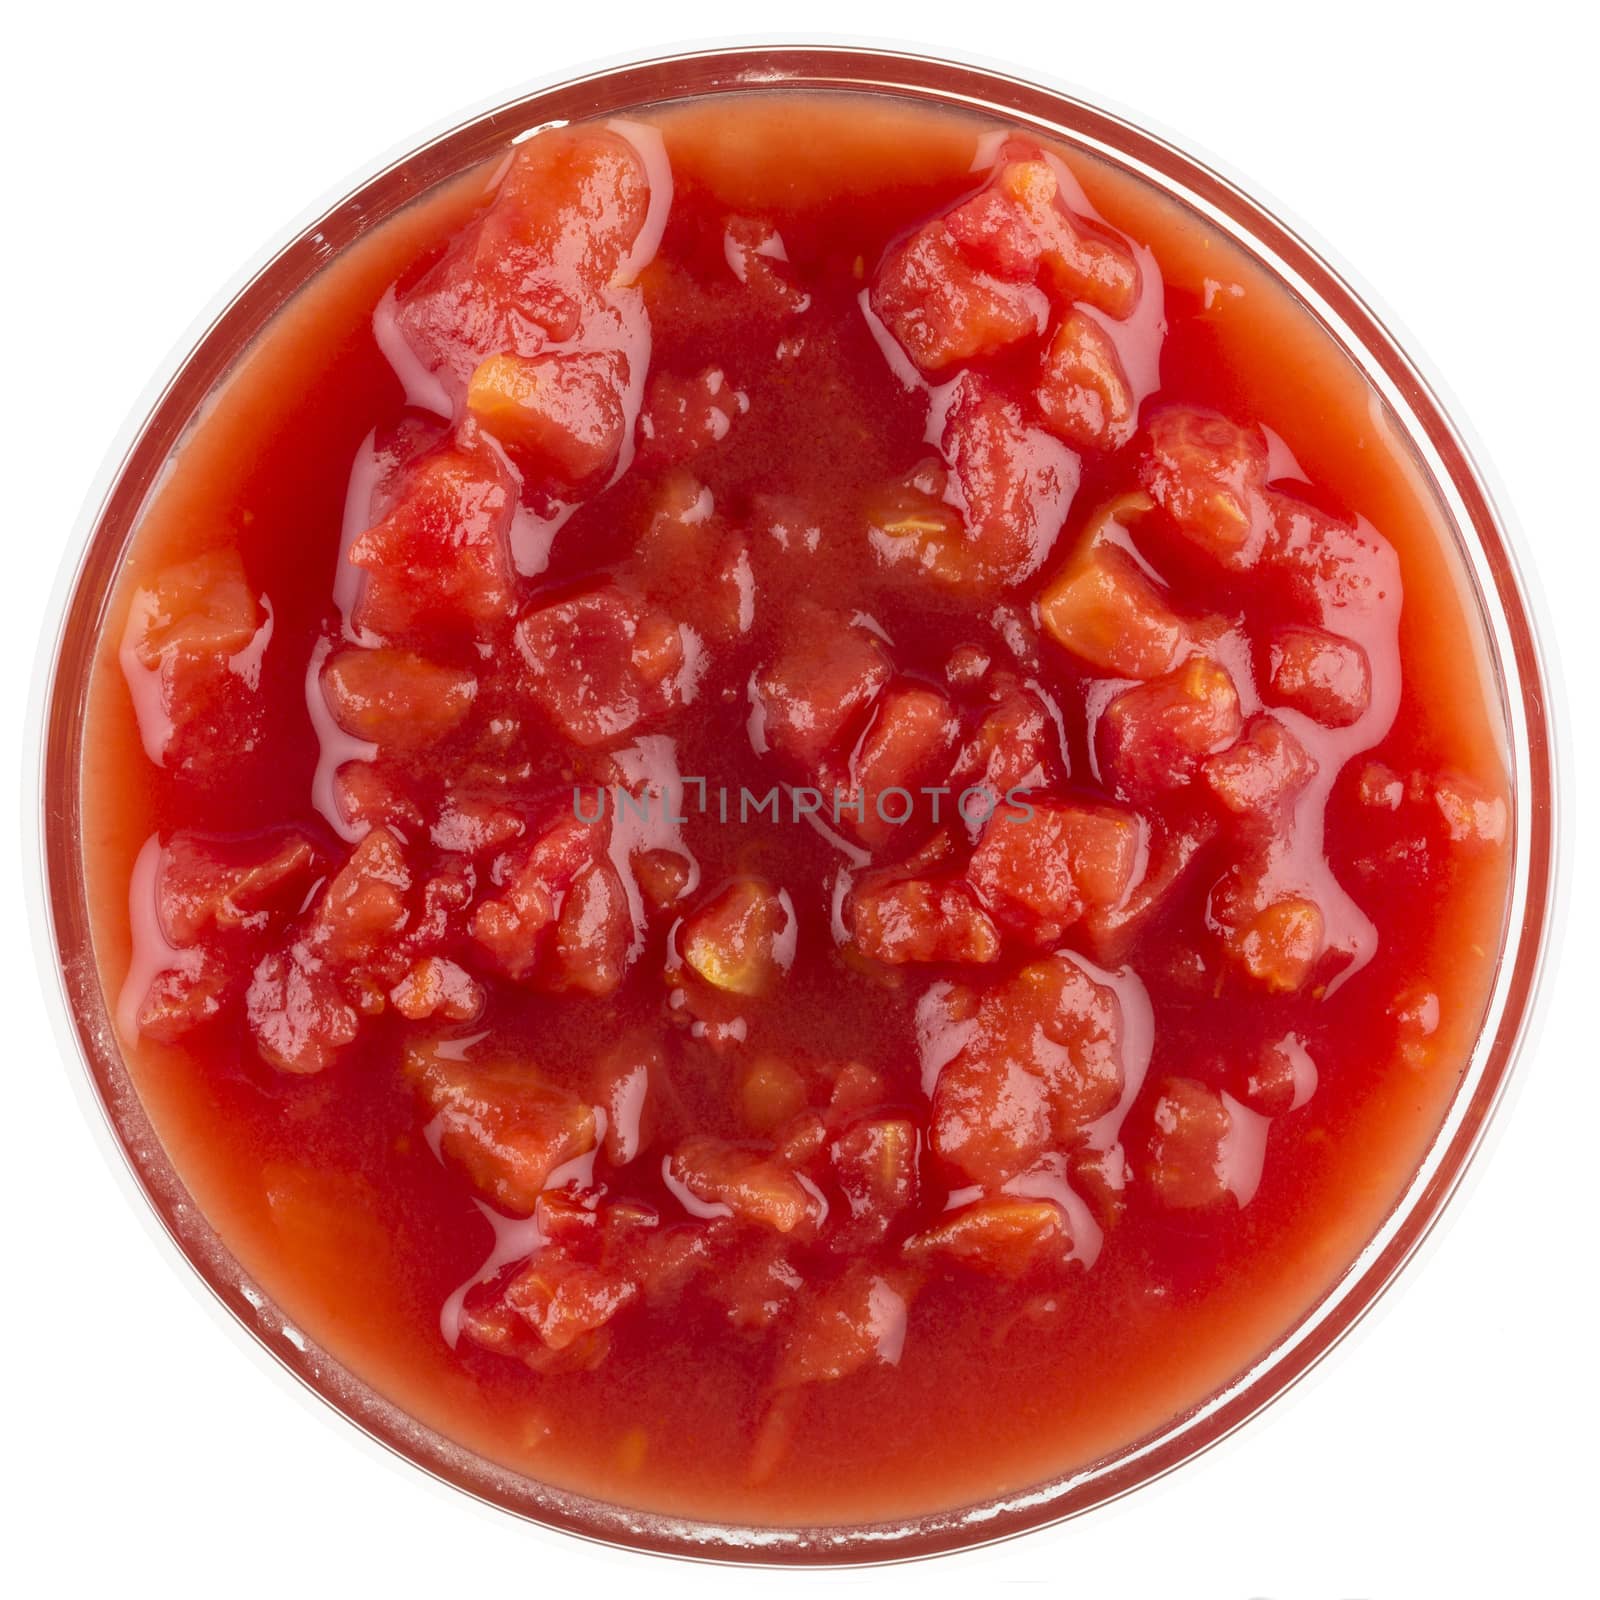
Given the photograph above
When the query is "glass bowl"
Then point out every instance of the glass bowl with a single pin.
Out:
(1485, 552)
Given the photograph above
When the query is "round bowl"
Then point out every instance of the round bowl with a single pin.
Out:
(1485, 551)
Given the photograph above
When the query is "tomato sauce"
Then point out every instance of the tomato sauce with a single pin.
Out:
(795, 810)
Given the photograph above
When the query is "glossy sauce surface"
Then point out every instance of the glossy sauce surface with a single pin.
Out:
(791, 1167)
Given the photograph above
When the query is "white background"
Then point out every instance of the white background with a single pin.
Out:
(1447, 155)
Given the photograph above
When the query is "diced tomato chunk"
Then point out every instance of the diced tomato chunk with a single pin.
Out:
(1017, 746)
(875, 1166)
(202, 609)
(623, 1080)
(1336, 566)
(1326, 677)
(363, 906)
(553, 241)
(1473, 815)
(1210, 477)
(1275, 936)
(907, 745)
(748, 1183)
(1283, 1077)
(855, 1322)
(913, 524)
(1155, 736)
(395, 698)
(228, 886)
(663, 876)
(1261, 774)
(1186, 1166)
(825, 676)
(501, 1123)
(513, 928)
(1000, 1235)
(190, 992)
(601, 664)
(370, 794)
(440, 558)
(990, 1118)
(742, 940)
(1083, 393)
(591, 943)
(758, 1285)
(564, 1300)
(1013, 482)
(1020, 225)
(436, 987)
(1417, 1013)
(559, 415)
(771, 1093)
(1281, 945)
(295, 1010)
(1107, 612)
(1039, 865)
(1068, 1026)
(918, 919)
(1109, 931)
(1040, 1058)
(941, 308)
(857, 1087)
(689, 563)
(191, 631)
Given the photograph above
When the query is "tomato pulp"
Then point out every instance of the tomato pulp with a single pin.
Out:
(795, 810)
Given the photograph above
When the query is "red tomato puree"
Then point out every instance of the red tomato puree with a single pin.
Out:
(795, 810)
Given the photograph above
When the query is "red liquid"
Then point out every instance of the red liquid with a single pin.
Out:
(1139, 1301)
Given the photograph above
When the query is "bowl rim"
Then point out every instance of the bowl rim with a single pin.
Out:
(1487, 544)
